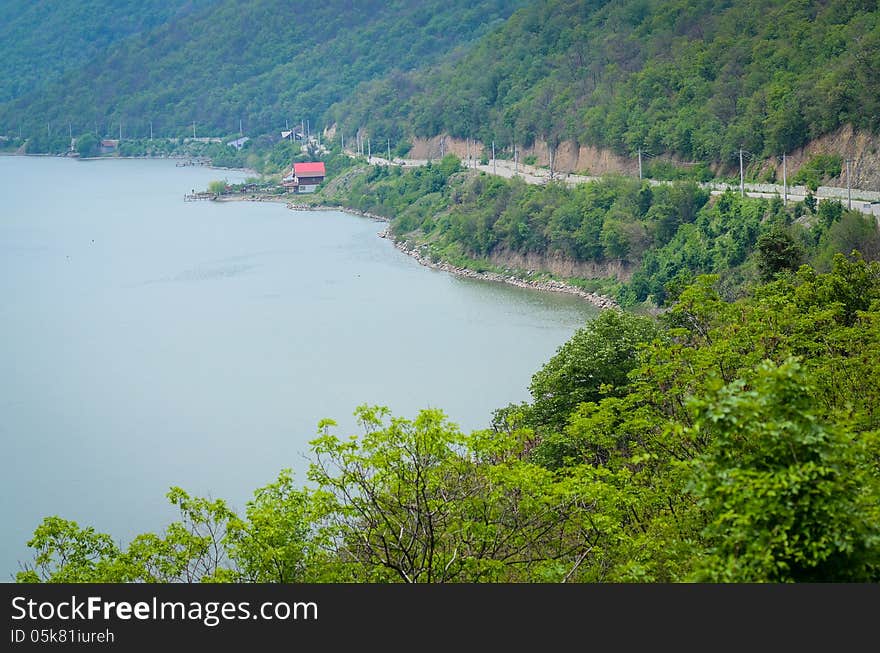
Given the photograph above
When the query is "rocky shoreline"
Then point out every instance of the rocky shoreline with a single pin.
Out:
(342, 209)
(550, 285)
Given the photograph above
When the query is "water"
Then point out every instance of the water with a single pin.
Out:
(149, 342)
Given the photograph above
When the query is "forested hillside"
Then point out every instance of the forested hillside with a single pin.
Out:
(262, 63)
(40, 40)
(697, 79)
(632, 239)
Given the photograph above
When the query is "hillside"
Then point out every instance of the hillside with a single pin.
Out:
(262, 63)
(639, 242)
(40, 41)
(699, 80)
(695, 82)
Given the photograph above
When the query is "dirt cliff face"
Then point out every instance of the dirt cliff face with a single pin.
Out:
(568, 157)
(439, 146)
(561, 266)
(862, 147)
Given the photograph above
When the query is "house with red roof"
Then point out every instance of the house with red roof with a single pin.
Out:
(305, 177)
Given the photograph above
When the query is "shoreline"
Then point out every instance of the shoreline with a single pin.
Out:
(600, 301)
(172, 157)
(251, 198)
(341, 209)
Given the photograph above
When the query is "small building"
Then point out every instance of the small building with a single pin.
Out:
(109, 145)
(305, 177)
(291, 135)
(238, 143)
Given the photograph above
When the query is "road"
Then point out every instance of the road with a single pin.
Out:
(866, 201)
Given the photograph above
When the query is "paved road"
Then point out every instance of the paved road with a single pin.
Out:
(867, 202)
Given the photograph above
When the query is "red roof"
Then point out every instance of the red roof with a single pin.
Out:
(310, 169)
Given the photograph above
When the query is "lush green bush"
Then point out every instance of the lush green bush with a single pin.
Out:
(819, 168)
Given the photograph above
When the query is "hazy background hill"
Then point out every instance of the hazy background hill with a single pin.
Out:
(40, 40)
(220, 62)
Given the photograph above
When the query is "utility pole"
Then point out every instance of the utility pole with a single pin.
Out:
(784, 182)
(640, 163)
(742, 187)
(494, 165)
(848, 186)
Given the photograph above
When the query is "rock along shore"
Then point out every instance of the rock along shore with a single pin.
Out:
(549, 285)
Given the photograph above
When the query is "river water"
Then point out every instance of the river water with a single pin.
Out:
(149, 342)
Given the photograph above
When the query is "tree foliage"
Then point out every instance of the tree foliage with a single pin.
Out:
(267, 63)
(656, 238)
(789, 496)
(700, 80)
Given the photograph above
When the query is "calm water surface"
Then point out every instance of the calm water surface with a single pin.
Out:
(149, 342)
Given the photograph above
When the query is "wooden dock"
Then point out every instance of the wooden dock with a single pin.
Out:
(194, 197)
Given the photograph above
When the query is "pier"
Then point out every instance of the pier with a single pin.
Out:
(194, 197)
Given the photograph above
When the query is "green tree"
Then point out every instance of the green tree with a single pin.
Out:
(217, 187)
(777, 251)
(87, 145)
(192, 549)
(273, 543)
(66, 553)
(593, 363)
(419, 502)
(788, 497)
